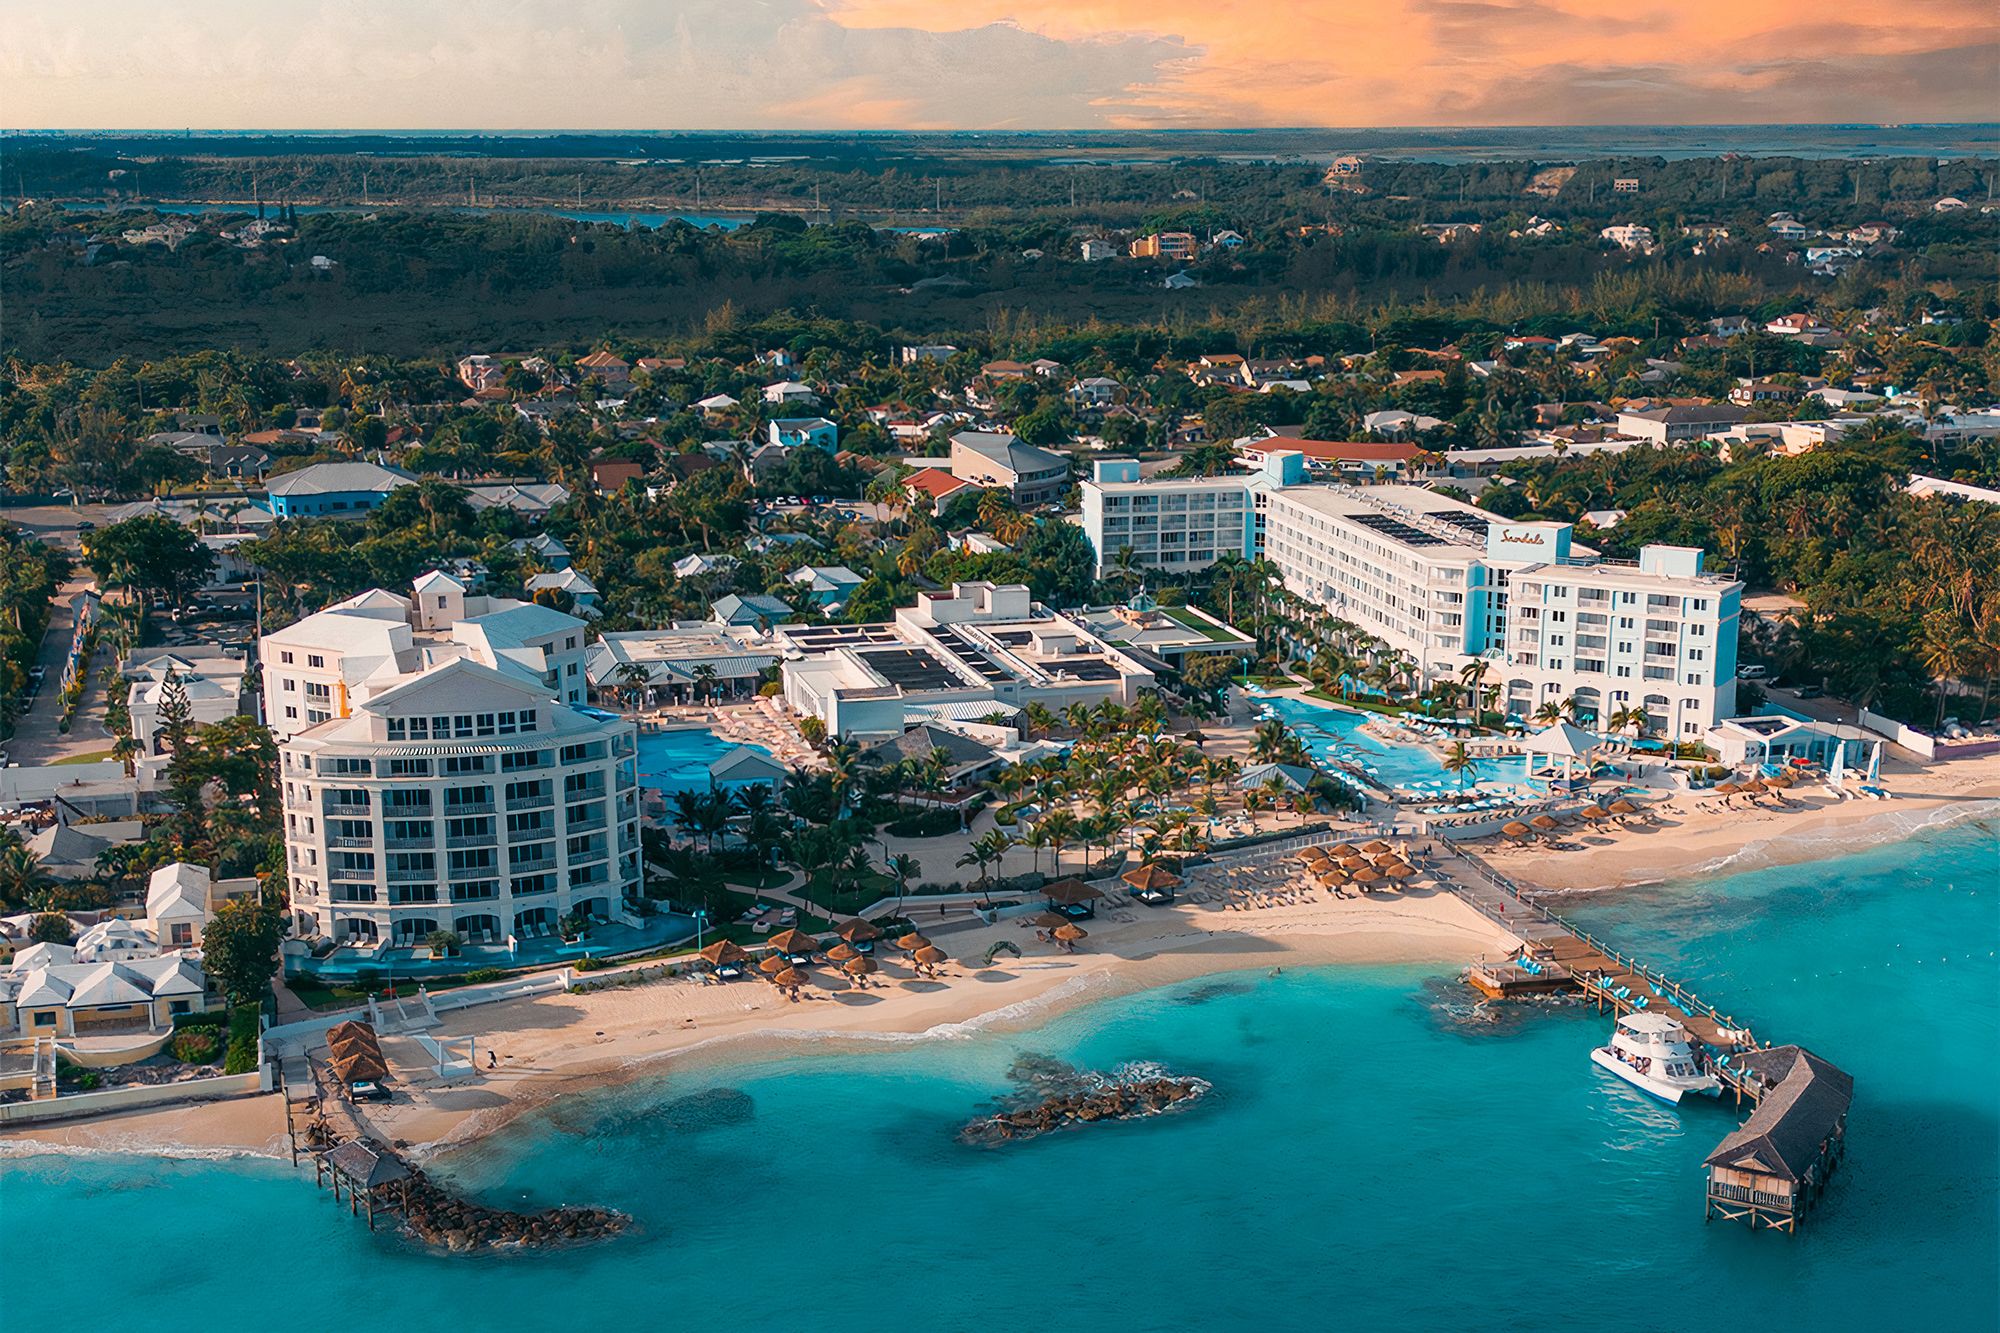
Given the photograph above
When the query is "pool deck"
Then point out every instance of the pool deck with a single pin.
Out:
(607, 941)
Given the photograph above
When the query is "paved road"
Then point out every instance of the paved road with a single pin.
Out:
(37, 739)
(56, 524)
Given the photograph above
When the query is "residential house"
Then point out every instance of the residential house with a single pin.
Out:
(612, 474)
(1747, 392)
(334, 489)
(991, 458)
(936, 483)
(1095, 250)
(1797, 326)
(794, 432)
(911, 355)
(1180, 246)
(753, 611)
(1677, 424)
(614, 370)
(829, 585)
(790, 392)
(571, 583)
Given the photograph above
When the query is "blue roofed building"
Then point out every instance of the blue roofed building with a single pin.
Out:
(333, 490)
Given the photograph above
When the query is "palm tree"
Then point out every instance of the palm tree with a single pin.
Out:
(1039, 718)
(631, 680)
(1458, 761)
(1061, 827)
(904, 868)
(1550, 713)
(705, 681)
(1037, 840)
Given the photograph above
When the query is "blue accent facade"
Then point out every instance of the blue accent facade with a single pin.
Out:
(332, 504)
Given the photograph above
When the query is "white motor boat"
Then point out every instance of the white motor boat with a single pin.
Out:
(1652, 1053)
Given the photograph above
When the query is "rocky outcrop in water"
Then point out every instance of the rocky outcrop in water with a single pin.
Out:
(438, 1217)
(1054, 1096)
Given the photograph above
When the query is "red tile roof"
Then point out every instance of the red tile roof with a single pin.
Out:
(934, 482)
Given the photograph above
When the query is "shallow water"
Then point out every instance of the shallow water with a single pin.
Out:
(678, 760)
(1377, 1152)
(1336, 733)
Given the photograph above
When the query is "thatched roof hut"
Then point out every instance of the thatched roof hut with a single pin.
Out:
(1152, 875)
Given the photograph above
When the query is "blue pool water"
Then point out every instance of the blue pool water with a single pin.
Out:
(1368, 1160)
(1335, 733)
(672, 761)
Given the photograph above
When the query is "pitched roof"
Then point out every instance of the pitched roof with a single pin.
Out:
(935, 482)
(918, 742)
(339, 478)
(746, 764)
(1002, 448)
(1783, 1135)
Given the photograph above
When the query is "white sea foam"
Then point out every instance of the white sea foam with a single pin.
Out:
(15, 1149)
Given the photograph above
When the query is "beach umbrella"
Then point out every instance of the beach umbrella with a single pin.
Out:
(1152, 875)
(858, 929)
(1345, 849)
(1048, 920)
(912, 942)
(1388, 859)
(773, 964)
(1314, 854)
(1546, 822)
(1368, 876)
(1621, 806)
(1728, 788)
(930, 955)
(1401, 872)
(841, 953)
(1071, 932)
(1757, 786)
(858, 966)
(1779, 780)
(1595, 812)
(1516, 829)
(1355, 862)
(723, 951)
(793, 941)
(1376, 847)
(1334, 875)
(1195, 737)
(791, 977)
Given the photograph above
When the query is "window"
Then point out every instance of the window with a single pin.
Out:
(317, 693)
(316, 661)
(290, 685)
(286, 658)
(409, 768)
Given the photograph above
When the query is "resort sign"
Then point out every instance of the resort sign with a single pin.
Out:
(1539, 542)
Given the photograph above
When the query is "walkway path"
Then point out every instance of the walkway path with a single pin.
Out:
(38, 738)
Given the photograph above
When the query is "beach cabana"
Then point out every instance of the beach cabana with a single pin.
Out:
(723, 951)
(794, 944)
(1152, 878)
(1072, 898)
(858, 930)
(1564, 742)
(369, 1173)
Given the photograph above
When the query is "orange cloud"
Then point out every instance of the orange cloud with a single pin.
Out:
(1404, 62)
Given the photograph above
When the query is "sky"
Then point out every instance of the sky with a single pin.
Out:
(990, 64)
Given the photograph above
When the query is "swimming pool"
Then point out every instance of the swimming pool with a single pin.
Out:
(1335, 734)
(671, 761)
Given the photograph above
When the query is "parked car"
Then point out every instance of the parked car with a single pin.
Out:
(368, 1092)
(1810, 692)
(1752, 672)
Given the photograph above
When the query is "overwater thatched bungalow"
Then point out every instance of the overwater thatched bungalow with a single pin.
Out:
(1774, 1169)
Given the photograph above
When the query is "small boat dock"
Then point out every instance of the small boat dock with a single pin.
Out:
(1774, 1168)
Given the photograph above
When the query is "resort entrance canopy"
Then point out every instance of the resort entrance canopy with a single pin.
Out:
(1564, 741)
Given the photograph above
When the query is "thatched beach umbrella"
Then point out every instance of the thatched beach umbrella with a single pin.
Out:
(1152, 875)
(1401, 872)
(1387, 859)
(791, 978)
(841, 953)
(1070, 932)
(857, 930)
(772, 964)
(1346, 849)
(793, 941)
(860, 966)
(1621, 806)
(1376, 847)
(1354, 862)
(1595, 812)
(1546, 823)
(912, 942)
(1515, 829)
(1312, 854)
(723, 951)
(1368, 876)
(930, 955)
(1728, 788)
(1048, 920)
(1333, 875)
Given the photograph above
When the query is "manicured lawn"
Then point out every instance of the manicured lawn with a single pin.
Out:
(847, 899)
(90, 757)
(1182, 617)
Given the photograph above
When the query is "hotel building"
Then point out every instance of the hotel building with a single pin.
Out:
(449, 777)
(1180, 524)
(1448, 583)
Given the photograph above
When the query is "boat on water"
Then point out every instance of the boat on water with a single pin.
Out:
(1652, 1052)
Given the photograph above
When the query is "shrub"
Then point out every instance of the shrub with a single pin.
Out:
(443, 942)
(588, 964)
(194, 1047)
(51, 928)
(242, 1056)
(480, 975)
(770, 689)
(924, 824)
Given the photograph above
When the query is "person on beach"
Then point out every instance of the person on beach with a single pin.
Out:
(492, 1060)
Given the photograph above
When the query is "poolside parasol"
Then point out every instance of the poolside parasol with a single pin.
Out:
(793, 941)
(1152, 875)
(1546, 823)
(912, 942)
(841, 953)
(723, 951)
(860, 966)
(1070, 932)
(858, 929)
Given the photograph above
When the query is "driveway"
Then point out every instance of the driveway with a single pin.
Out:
(37, 736)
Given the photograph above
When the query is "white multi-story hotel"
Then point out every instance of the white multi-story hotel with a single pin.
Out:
(313, 668)
(1180, 524)
(453, 783)
(1448, 583)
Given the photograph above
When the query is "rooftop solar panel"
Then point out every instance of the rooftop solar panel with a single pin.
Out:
(1398, 529)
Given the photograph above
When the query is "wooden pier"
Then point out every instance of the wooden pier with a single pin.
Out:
(1769, 1172)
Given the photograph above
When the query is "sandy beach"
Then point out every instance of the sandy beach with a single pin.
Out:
(554, 1043)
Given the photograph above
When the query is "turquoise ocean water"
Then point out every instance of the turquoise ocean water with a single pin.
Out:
(1374, 1155)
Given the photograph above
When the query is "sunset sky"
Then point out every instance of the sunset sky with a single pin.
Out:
(972, 64)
